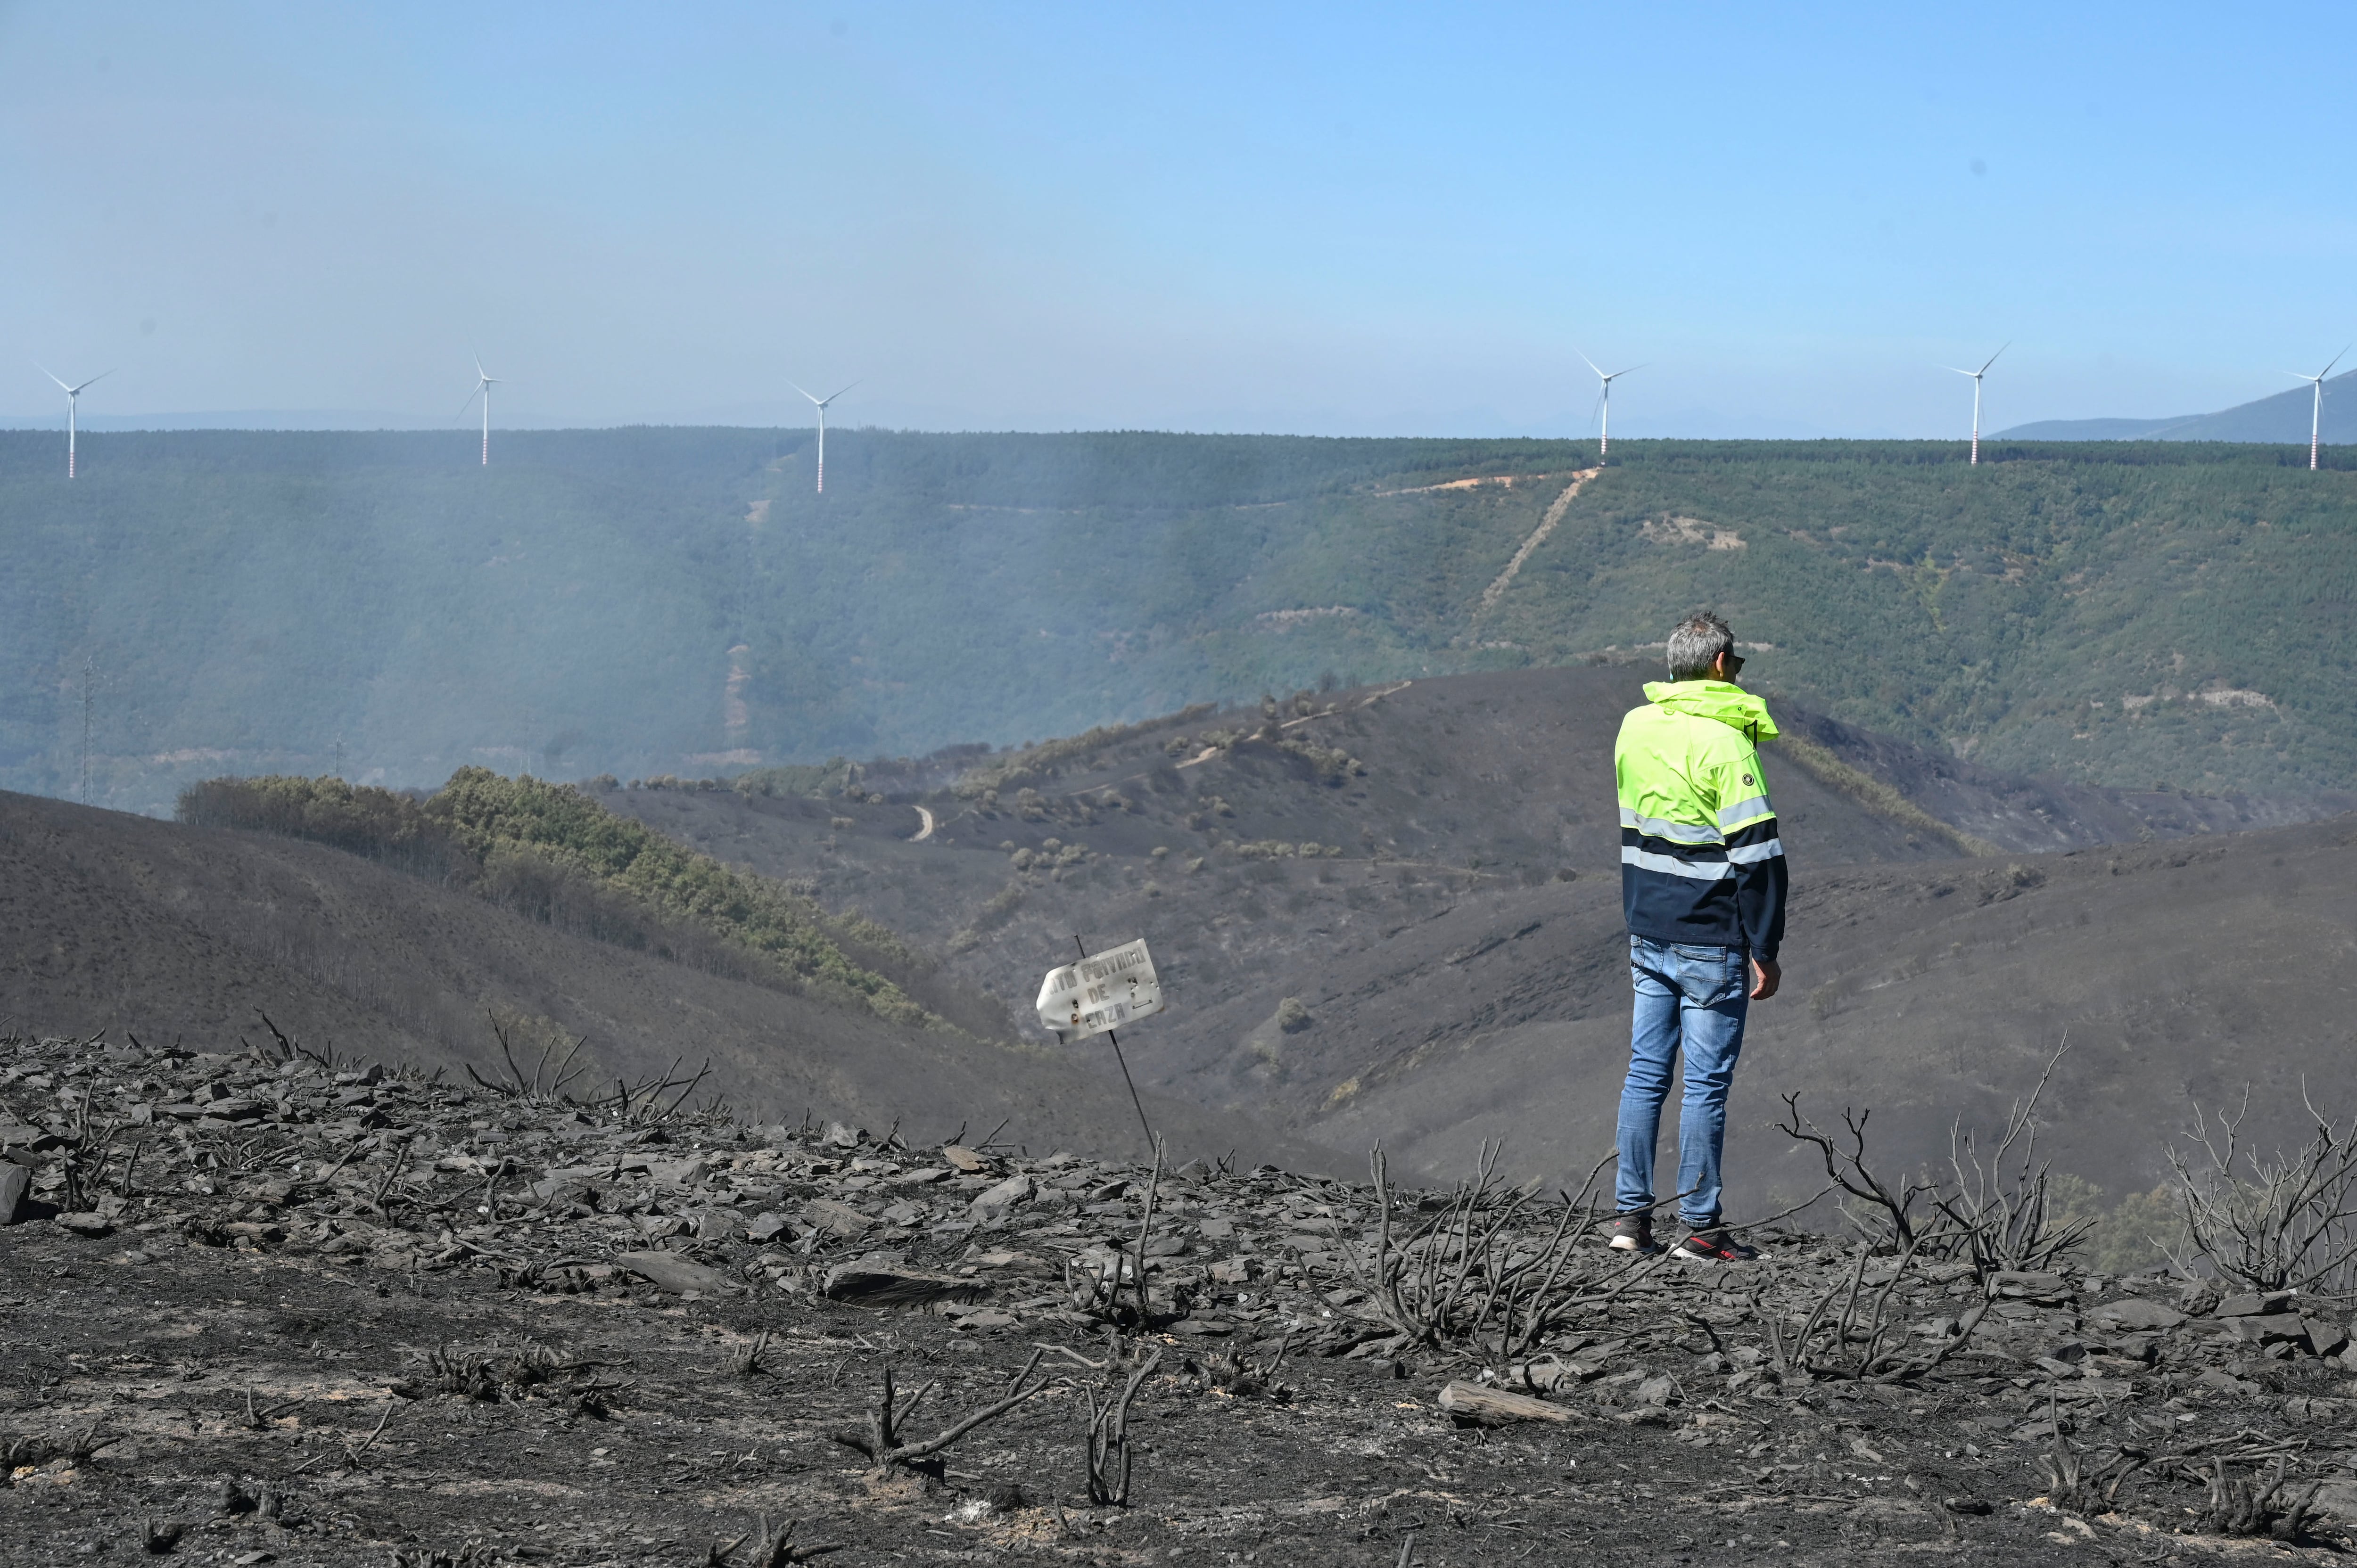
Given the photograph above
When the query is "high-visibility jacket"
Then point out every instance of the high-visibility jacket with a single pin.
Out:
(1700, 861)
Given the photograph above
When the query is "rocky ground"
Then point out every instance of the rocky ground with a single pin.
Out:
(269, 1307)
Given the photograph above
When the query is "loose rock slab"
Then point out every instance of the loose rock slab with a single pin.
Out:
(675, 1273)
(1004, 1197)
(830, 1214)
(1495, 1407)
(869, 1285)
(2139, 1316)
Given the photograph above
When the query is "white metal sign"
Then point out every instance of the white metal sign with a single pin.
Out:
(1104, 991)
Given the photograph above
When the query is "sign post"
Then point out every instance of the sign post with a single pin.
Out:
(1100, 993)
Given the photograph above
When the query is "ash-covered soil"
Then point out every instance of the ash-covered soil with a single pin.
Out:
(260, 1309)
(1448, 923)
(2042, 814)
(167, 932)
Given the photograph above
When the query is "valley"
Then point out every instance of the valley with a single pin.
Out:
(1431, 872)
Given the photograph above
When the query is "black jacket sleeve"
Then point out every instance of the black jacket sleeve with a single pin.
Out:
(1759, 885)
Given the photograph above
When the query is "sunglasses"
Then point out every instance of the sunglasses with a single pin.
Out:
(1734, 665)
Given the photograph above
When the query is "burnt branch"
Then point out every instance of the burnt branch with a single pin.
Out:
(1098, 1293)
(1845, 1316)
(2071, 1486)
(883, 1441)
(1847, 1167)
(2000, 1206)
(1108, 1438)
(771, 1548)
(2285, 1223)
(2255, 1506)
(1474, 1274)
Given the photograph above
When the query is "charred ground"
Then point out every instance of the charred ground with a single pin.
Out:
(172, 934)
(1428, 872)
(268, 1307)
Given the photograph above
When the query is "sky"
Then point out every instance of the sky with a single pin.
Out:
(1334, 219)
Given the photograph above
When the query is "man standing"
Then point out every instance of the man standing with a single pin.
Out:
(1702, 880)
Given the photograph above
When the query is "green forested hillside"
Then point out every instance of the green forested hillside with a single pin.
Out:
(645, 601)
(2130, 618)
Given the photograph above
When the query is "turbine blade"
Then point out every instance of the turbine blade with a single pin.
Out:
(1590, 364)
(94, 380)
(1618, 374)
(55, 377)
(2338, 357)
(1974, 374)
(469, 403)
(798, 387)
(1992, 359)
(831, 397)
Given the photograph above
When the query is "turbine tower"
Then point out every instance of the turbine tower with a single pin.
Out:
(2316, 412)
(822, 403)
(483, 385)
(73, 404)
(1604, 401)
(1976, 376)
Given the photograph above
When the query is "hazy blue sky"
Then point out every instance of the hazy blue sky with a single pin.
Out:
(1345, 219)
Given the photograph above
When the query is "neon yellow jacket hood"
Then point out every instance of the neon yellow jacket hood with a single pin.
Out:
(1701, 860)
(1727, 703)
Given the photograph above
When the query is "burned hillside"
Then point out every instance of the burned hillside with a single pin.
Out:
(1393, 914)
(175, 933)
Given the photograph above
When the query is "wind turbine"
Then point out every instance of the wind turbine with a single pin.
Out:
(1604, 400)
(1976, 376)
(73, 404)
(483, 385)
(822, 403)
(2316, 414)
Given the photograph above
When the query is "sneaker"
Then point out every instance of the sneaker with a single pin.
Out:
(1632, 1233)
(1712, 1245)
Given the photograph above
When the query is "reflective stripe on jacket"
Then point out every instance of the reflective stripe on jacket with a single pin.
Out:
(1700, 861)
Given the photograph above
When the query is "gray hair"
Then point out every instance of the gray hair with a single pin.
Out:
(1696, 645)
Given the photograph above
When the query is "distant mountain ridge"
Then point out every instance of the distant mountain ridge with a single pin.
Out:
(2281, 418)
(647, 602)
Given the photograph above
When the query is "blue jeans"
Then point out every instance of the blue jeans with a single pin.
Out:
(1690, 998)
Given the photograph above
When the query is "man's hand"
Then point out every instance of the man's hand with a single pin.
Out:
(1765, 977)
